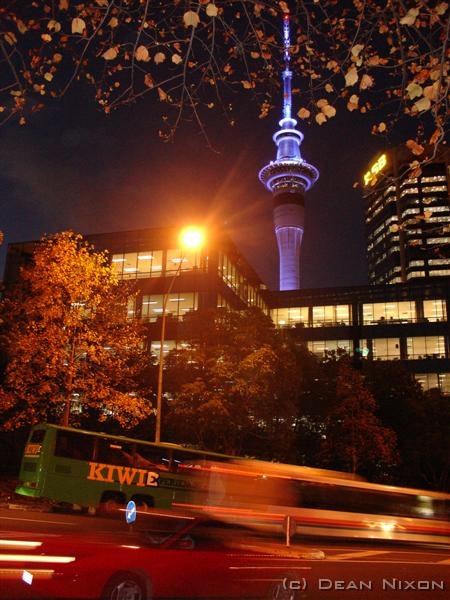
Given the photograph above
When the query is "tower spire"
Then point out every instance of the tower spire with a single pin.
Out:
(288, 177)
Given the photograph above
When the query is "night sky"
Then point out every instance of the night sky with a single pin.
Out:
(71, 167)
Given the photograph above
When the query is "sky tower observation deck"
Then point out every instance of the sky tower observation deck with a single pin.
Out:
(288, 177)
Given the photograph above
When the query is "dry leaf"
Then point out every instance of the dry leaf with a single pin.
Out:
(191, 18)
(78, 25)
(351, 77)
(304, 113)
(329, 111)
(212, 10)
(415, 148)
(320, 118)
(176, 59)
(410, 17)
(422, 104)
(142, 54)
(367, 81)
(414, 90)
(159, 57)
(110, 54)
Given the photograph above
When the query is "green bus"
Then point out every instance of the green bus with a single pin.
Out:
(96, 471)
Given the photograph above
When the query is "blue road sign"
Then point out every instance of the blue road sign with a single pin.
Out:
(130, 512)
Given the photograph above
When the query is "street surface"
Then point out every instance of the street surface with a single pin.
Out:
(317, 568)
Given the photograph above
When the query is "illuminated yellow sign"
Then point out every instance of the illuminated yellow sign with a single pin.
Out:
(370, 176)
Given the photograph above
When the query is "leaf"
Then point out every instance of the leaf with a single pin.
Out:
(148, 80)
(435, 137)
(53, 25)
(162, 95)
(113, 22)
(212, 10)
(329, 88)
(320, 118)
(410, 17)
(353, 102)
(415, 148)
(102, 2)
(329, 111)
(382, 127)
(159, 58)
(21, 26)
(357, 49)
(110, 54)
(176, 59)
(441, 8)
(63, 4)
(432, 91)
(304, 113)
(321, 102)
(191, 18)
(414, 90)
(10, 38)
(246, 85)
(48, 76)
(46, 37)
(255, 54)
(422, 104)
(142, 54)
(367, 81)
(351, 77)
(284, 7)
(78, 25)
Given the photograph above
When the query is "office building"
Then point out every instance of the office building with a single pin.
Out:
(407, 217)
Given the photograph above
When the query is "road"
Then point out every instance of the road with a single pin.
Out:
(318, 568)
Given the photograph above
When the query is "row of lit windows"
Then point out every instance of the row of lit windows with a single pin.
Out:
(234, 279)
(430, 381)
(372, 314)
(415, 348)
(154, 263)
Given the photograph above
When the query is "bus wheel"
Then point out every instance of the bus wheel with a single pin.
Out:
(110, 504)
(126, 586)
(143, 503)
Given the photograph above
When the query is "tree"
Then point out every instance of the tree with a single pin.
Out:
(420, 419)
(72, 351)
(233, 389)
(196, 57)
(356, 441)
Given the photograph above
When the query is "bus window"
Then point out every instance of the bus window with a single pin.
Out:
(70, 444)
(37, 436)
(151, 457)
(114, 452)
(188, 460)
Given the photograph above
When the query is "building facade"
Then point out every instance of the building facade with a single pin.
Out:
(407, 217)
(400, 322)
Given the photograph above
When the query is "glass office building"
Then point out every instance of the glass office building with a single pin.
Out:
(407, 217)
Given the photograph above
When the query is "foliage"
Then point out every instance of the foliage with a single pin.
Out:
(197, 57)
(421, 421)
(356, 441)
(234, 387)
(69, 341)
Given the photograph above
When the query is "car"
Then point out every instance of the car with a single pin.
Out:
(194, 559)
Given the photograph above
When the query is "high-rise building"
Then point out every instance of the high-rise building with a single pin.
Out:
(288, 178)
(407, 216)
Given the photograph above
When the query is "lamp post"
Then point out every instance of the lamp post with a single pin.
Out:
(190, 238)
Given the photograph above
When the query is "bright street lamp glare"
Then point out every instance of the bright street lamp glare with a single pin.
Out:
(192, 237)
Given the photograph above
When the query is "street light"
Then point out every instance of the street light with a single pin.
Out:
(190, 238)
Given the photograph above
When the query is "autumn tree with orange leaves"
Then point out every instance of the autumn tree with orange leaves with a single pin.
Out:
(386, 58)
(73, 355)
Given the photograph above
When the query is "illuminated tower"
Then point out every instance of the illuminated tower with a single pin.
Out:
(288, 178)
